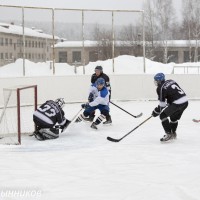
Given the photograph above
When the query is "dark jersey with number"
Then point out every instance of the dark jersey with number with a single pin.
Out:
(170, 91)
(50, 113)
(105, 77)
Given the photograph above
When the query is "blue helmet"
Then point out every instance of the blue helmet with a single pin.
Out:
(100, 81)
(159, 77)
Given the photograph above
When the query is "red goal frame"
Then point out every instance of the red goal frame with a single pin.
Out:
(19, 105)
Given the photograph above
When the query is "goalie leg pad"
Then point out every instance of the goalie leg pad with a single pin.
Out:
(51, 133)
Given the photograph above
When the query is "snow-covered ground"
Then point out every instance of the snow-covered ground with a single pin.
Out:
(83, 165)
(123, 65)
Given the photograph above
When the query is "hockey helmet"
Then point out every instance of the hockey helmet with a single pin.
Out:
(60, 102)
(100, 81)
(159, 78)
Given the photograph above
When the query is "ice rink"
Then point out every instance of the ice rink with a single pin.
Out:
(83, 165)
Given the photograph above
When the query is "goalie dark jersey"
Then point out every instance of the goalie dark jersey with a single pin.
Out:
(48, 114)
(171, 91)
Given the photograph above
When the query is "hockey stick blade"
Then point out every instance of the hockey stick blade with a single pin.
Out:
(196, 120)
(113, 139)
(137, 116)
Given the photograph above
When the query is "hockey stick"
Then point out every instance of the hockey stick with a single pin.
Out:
(136, 116)
(117, 140)
(196, 120)
(73, 119)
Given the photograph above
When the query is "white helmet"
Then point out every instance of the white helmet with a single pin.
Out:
(60, 102)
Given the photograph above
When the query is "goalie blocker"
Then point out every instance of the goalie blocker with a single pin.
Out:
(47, 116)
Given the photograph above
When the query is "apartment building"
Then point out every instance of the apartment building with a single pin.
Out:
(72, 52)
(37, 45)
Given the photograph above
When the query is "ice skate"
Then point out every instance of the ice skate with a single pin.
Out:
(94, 126)
(167, 137)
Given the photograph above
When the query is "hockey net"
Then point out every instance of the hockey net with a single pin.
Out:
(16, 116)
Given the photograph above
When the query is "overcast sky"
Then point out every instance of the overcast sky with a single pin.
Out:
(84, 4)
(88, 4)
(96, 4)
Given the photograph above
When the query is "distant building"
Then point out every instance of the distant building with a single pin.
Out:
(71, 52)
(38, 45)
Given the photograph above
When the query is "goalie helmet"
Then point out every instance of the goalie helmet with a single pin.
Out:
(100, 81)
(60, 102)
(159, 78)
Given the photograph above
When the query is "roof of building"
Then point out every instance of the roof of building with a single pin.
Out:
(89, 43)
(18, 30)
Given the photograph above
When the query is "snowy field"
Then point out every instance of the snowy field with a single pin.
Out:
(83, 165)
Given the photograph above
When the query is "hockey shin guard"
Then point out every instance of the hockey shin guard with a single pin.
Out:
(165, 122)
(174, 126)
(100, 119)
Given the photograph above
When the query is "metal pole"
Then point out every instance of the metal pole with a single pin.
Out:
(23, 41)
(143, 42)
(113, 43)
(83, 39)
(53, 33)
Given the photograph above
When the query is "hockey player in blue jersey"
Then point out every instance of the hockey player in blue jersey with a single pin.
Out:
(99, 74)
(100, 101)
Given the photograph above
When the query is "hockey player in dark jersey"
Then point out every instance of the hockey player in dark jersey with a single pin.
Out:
(99, 74)
(172, 103)
(47, 116)
(100, 102)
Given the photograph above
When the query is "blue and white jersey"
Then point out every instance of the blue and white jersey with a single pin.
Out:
(100, 97)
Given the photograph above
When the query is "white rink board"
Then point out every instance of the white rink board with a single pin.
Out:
(124, 87)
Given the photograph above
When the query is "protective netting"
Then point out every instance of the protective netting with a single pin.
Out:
(16, 114)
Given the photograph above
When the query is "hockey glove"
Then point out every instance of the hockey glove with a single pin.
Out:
(85, 105)
(90, 97)
(156, 111)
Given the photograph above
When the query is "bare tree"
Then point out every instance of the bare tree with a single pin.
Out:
(104, 42)
(130, 37)
(159, 21)
(191, 23)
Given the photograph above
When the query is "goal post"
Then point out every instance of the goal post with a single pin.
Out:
(17, 114)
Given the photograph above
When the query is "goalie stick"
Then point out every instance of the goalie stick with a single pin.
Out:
(118, 140)
(135, 116)
(73, 119)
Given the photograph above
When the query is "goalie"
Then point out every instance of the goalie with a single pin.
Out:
(47, 116)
